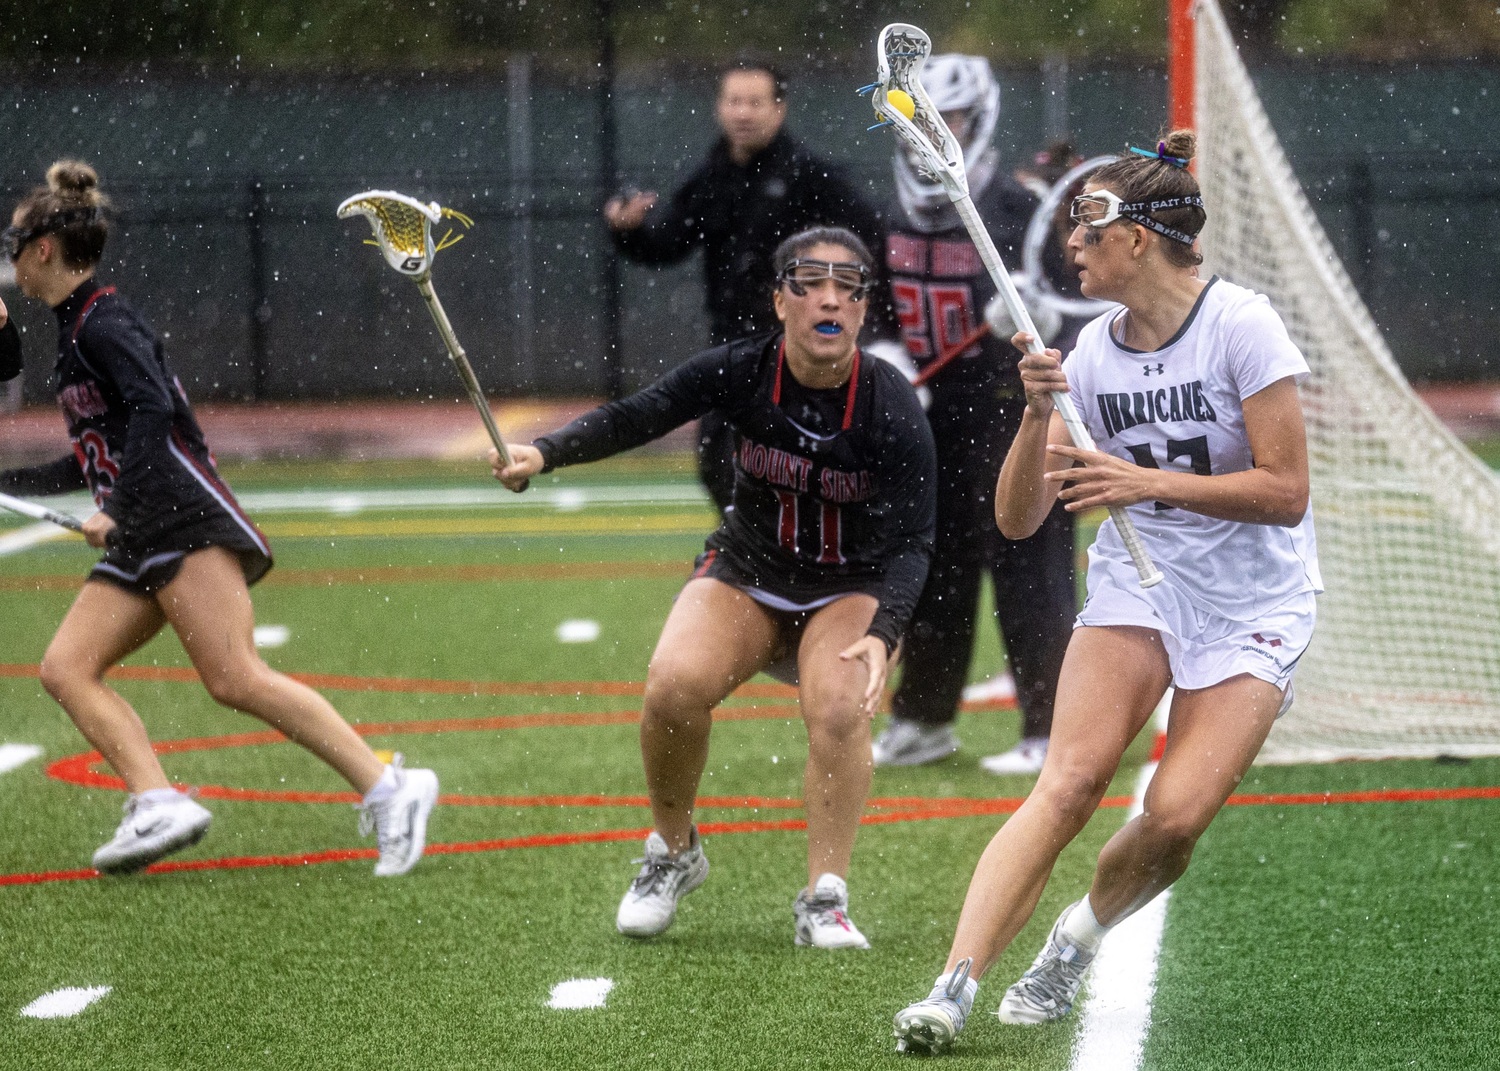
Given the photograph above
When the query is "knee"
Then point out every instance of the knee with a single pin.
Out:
(1070, 794)
(57, 675)
(678, 693)
(834, 719)
(235, 685)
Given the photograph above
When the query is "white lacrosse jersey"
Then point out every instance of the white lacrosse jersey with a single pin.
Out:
(1181, 407)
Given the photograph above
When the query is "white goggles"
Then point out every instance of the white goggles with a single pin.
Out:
(1101, 208)
(846, 275)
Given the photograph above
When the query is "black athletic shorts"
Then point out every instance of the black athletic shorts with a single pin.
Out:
(145, 570)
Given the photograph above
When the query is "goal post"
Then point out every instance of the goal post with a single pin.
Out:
(1405, 660)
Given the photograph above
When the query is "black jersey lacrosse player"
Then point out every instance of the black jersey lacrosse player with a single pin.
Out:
(179, 550)
(823, 555)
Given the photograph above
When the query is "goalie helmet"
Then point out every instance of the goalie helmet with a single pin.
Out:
(963, 84)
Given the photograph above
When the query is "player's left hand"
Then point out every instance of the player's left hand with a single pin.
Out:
(1099, 479)
(98, 530)
(525, 462)
(871, 651)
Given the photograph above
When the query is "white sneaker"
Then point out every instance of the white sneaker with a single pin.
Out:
(1046, 991)
(400, 819)
(823, 918)
(151, 830)
(1025, 758)
(650, 904)
(929, 1026)
(912, 743)
(1001, 688)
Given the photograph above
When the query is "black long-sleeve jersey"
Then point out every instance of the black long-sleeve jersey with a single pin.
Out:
(834, 490)
(136, 443)
(940, 285)
(739, 215)
(10, 351)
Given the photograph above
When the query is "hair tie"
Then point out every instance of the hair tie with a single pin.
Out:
(1161, 154)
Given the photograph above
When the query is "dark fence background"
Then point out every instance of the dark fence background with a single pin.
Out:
(225, 194)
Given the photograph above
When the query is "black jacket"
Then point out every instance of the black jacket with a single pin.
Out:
(739, 215)
(10, 351)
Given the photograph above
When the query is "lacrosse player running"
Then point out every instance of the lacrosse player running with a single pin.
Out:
(179, 550)
(1190, 391)
(823, 556)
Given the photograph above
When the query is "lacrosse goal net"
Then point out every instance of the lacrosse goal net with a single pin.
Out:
(1405, 660)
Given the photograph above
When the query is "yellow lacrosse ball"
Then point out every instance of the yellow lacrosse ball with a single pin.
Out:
(901, 100)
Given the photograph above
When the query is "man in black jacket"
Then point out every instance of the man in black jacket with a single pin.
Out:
(757, 186)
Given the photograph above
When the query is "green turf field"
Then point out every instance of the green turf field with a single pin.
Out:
(1337, 935)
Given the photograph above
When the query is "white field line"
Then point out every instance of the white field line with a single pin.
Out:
(13, 755)
(343, 502)
(28, 537)
(64, 1003)
(580, 993)
(1117, 1011)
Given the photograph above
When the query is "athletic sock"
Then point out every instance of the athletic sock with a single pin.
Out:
(970, 987)
(384, 787)
(160, 795)
(1081, 928)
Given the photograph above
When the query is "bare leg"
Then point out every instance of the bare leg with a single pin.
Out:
(104, 624)
(1112, 678)
(1214, 737)
(715, 638)
(837, 778)
(208, 606)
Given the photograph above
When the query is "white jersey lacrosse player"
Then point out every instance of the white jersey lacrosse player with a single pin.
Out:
(1181, 407)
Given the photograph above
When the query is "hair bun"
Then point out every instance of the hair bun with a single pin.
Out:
(72, 178)
(1181, 144)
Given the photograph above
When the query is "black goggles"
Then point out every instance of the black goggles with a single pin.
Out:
(850, 277)
(15, 239)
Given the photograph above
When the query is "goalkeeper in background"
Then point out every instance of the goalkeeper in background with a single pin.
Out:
(941, 288)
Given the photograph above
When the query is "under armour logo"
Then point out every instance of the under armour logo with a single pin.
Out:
(1148, 370)
(1258, 638)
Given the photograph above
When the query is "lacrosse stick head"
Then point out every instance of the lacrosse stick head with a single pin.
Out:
(403, 228)
(902, 51)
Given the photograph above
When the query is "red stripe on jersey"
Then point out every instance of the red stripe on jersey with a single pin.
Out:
(955, 260)
(228, 501)
(853, 389)
(87, 305)
(708, 561)
(780, 362)
(905, 253)
(833, 533)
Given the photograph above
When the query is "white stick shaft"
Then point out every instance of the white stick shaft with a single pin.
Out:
(40, 513)
(461, 362)
(1077, 430)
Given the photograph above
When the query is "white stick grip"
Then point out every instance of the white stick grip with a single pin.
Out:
(41, 513)
(1077, 430)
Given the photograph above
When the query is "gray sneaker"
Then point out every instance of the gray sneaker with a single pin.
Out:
(912, 743)
(151, 830)
(1047, 991)
(823, 918)
(929, 1026)
(650, 904)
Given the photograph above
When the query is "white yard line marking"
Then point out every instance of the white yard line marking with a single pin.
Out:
(28, 537)
(272, 635)
(13, 755)
(64, 1003)
(1116, 1013)
(578, 631)
(580, 993)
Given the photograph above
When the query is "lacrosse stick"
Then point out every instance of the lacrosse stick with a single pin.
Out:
(903, 50)
(40, 513)
(403, 232)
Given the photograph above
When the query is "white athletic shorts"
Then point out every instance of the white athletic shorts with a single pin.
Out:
(1202, 648)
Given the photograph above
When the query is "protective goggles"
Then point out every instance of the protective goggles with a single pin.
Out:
(849, 277)
(1101, 208)
(14, 239)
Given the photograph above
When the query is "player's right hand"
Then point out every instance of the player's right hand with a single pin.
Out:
(1041, 375)
(525, 462)
(628, 212)
(4, 314)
